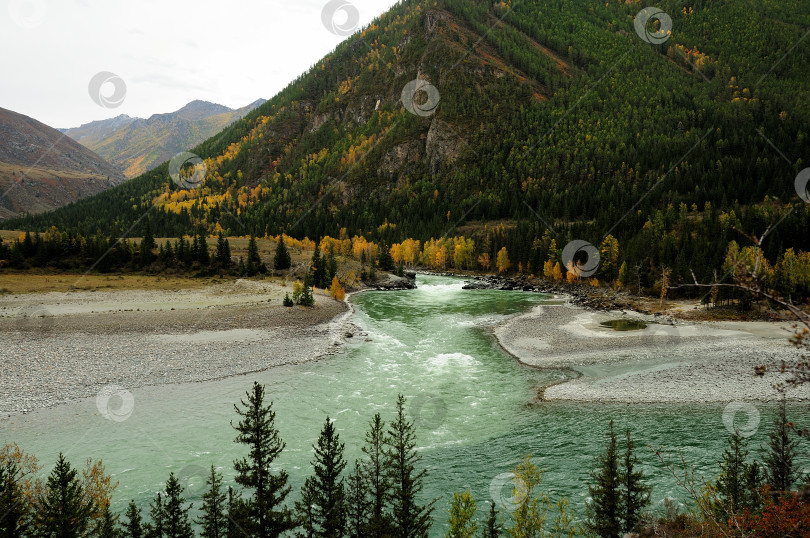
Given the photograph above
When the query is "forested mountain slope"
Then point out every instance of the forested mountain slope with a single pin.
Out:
(552, 113)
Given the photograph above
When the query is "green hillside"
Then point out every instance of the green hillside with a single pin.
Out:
(550, 112)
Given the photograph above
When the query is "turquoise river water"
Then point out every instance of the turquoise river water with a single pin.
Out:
(472, 402)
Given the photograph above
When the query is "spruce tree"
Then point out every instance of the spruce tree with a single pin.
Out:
(410, 519)
(147, 245)
(358, 505)
(238, 516)
(781, 471)
(195, 249)
(203, 255)
(492, 530)
(320, 278)
(176, 523)
(256, 429)
(133, 527)
(305, 509)
(635, 493)
(605, 508)
(254, 262)
(306, 298)
(377, 477)
(324, 492)
(15, 511)
(63, 511)
(107, 526)
(223, 257)
(282, 259)
(157, 513)
(738, 481)
(214, 521)
(384, 259)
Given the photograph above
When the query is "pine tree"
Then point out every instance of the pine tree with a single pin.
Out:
(410, 519)
(147, 245)
(781, 471)
(492, 530)
(176, 522)
(133, 527)
(377, 477)
(107, 526)
(15, 511)
(305, 509)
(254, 261)
(306, 298)
(320, 277)
(605, 508)
(282, 259)
(256, 429)
(157, 513)
(462, 517)
(238, 515)
(64, 511)
(325, 490)
(635, 493)
(223, 258)
(195, 249)
(214, 521)
(384, 259)
(203, 255)
(738, 480)
(358, 505)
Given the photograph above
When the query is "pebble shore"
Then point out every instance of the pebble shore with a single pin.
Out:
(669, 361)
(62, 347)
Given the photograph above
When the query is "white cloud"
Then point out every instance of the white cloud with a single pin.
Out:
(168, 52)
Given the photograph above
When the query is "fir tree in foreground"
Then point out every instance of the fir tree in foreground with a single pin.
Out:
(781, 471)
(157, 513)
(214, 521)
(64, 511)
(377, 478)
(323, 493)
(133, 526)
(107, 526)
(358, 505)
(604, 510)
(618, 492)
(739, 480)
(635, 492)
(411, 519)
(176, 516)
(267, 517)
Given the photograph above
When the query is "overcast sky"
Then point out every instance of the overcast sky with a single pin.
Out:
(166, 52)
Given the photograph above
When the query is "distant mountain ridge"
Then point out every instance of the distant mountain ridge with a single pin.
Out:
(136, 145)
(42, 169)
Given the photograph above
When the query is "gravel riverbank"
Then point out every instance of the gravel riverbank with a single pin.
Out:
(668, 361)
(60, 347)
